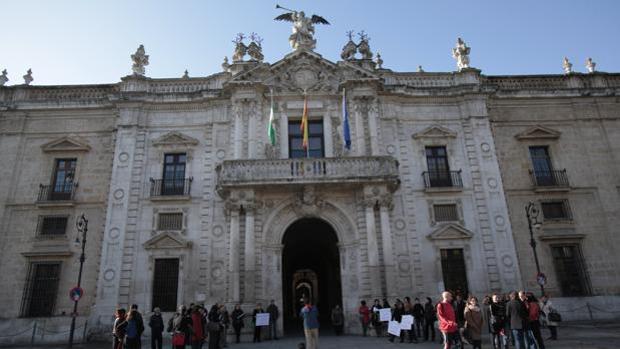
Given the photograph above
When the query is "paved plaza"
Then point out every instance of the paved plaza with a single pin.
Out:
(572, 336)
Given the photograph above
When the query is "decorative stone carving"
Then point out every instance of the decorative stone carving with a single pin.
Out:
(271, 151)
(65, 144)
(461, 53)
(350, 48)
(225, 64)
(590, 65)
(3, 78)
(364, 47)
(450, 232)
(420, 70)
(175, 138)
(28, 77)
(185, 75)
(140, 60)
(538, 132)
(255, 49)
(436, 131)
(379, 61)
(568, 66)
(240, 48)
(303, 28)
(167, 240)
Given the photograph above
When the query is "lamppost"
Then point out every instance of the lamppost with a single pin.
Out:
(532, 212)
(82, 227)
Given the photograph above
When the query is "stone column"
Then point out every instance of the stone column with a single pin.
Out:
(250, 254)
(238, 129)
(283, 133)
(373, 249)
(252, 130)
(360, 141)
(233, 253)
(373, 114)
(327, 133)
(388, 253)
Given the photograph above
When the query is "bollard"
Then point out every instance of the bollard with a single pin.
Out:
(34, 333)
(84, 333)
(589, 310)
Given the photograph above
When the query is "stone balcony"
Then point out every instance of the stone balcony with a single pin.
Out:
(356, 170)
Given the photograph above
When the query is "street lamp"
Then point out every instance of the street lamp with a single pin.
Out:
(532, 212)
(82, 227)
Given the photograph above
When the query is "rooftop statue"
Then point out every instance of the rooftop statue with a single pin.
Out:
(303, 28)
(28, 77)
(567, 65)
(3, 78)
(461, 53)
(140, 60)
(590, 65)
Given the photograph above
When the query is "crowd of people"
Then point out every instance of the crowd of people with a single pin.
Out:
(515, 319)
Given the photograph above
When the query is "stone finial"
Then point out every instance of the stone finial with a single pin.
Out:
(568, 66)
(3, 78)
(185, 75)
(350, 48)
(225, 64)
(420, 70)
(140, 60)
(240, 48)
(363, 47)
(379, 61)
(255, 48)
(590, 65)
(28, 77)
(461, 53)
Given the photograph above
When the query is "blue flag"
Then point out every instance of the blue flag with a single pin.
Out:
(345, 121)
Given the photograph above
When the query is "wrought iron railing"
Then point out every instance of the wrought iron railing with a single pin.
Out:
(442, 179)
(549, 178)
(170, 187)
(63, 192)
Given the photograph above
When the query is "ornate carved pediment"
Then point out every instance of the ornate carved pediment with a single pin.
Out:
(450, 232)
(175, 138)
(167, 240)
(538, 132)
(65, 144)
(435, 131)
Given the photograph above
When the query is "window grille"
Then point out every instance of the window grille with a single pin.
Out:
(52, 225)
(166, 283)
(454, 271)
(556, 210)
(445, 213)
(570, 271)
(170, 221)
(41, 289)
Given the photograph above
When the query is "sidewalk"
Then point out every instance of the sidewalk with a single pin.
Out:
(571, 335)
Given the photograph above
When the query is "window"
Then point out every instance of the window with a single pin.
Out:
(570, 270)
(64, 175)
(454, 271)
(52, 225)
(556, 210)
(438, 168)
(170, 221)
(41, 289)
(315, 140)
(166, 283)
(445, 213)
(541, 162)
(174, 174)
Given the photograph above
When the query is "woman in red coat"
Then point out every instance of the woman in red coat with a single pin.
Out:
(364, 317)
(197, 328)
(447, 321)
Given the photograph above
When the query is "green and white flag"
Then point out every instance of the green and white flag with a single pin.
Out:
(271, 128)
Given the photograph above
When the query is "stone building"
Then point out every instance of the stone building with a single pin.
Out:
(189, 201)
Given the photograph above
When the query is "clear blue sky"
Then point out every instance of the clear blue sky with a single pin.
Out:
(88, 41)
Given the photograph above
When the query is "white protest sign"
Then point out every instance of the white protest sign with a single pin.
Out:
(262, 319)
(385, 314)
(406, 322)
(394, 328)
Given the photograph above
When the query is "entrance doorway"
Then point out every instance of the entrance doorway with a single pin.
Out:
(310, 268)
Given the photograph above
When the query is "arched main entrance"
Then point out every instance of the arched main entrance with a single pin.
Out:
(310, 268)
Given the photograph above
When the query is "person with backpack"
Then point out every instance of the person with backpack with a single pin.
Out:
(548, 319)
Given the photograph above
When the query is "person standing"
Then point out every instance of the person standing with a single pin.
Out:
(516, 314)
(473, 322)
(197, 333)
(181, 324)
(274, 313)
(430, 316)
(139, 323)
(376, 320)
(364, 314)
(119, 329)
(224, 324)
(156, 323)
(408, 310)
(447, 321)
(418, 315)
(214, 326)
(337, 320)
(397, 315)
(132, 334)
(459, 308)
(497, 320)
(534, 319)
(257, 310)
(237, 321)
(310, 314)
(547, 308)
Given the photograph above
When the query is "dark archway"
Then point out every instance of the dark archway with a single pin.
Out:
(310, 267)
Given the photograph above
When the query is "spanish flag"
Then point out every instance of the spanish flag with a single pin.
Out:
(304, 125)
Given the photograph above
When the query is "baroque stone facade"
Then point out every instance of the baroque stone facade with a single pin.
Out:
(435, 181)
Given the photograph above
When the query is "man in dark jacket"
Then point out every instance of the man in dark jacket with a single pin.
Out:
(497, 321)
(459, 308)
(418, 315)
(156, 323)
(516, 314)
(139, 323)
(273, 311)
